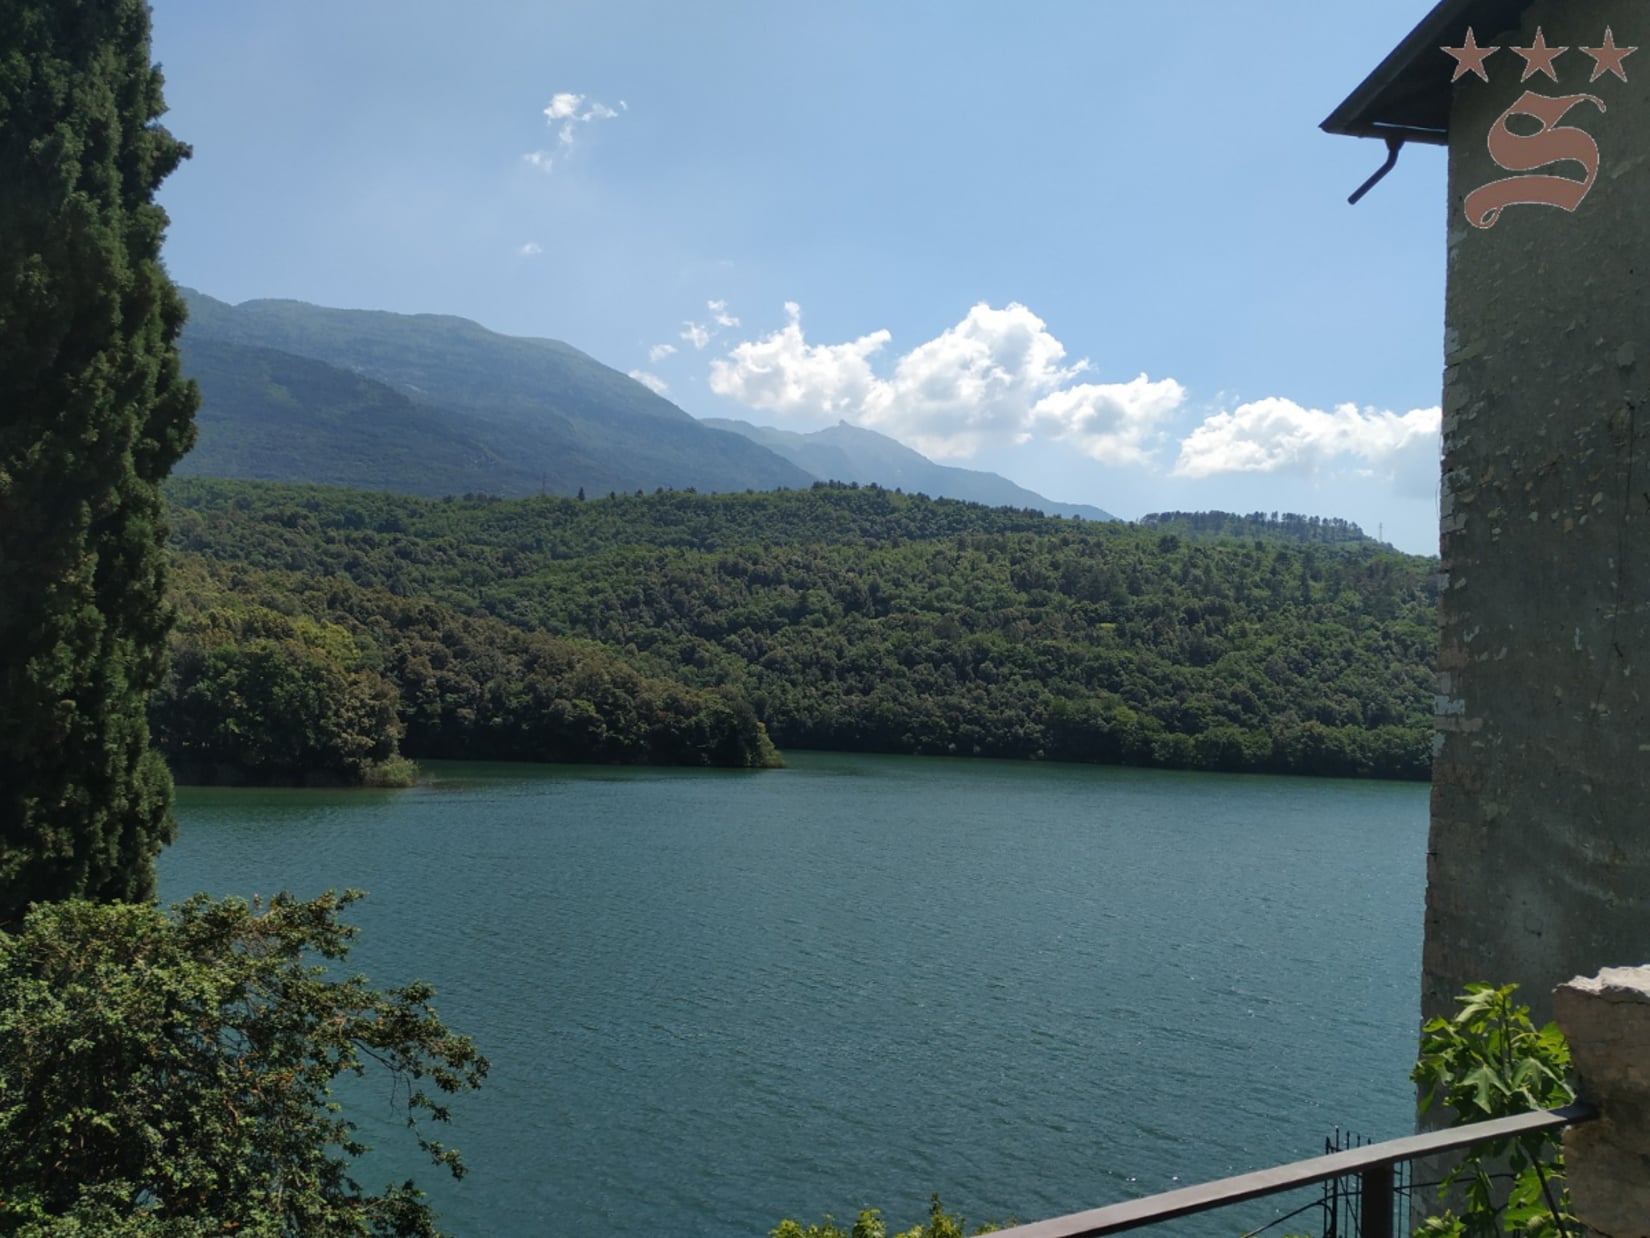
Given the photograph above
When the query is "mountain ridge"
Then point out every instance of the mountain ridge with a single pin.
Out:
(546, 415)
(436, 404)
(851, 453)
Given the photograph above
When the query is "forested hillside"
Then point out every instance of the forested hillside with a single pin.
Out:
(278, 677)
(861, 619)
(1290, 526)
(273, 416)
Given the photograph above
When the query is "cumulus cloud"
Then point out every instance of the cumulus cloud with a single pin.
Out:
(660, 351)
(658, 385)
(563, 105)
(998, 376)
(783, 373)
(566, 113)
(530, 249)
(974, 383)
(1277, 435)
(1114, 423)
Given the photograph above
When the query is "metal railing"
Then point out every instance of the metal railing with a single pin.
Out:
(1372, 1164)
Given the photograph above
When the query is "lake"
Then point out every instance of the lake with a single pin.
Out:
(714, 999)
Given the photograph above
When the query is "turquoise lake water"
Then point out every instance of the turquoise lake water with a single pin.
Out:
(715, 999)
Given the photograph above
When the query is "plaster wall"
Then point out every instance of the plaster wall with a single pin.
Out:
(1539, 859)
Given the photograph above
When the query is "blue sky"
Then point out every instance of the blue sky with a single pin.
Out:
(1100, 248)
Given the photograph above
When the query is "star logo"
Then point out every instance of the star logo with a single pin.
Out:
(1607, 59)
(1538, 57)
(1535, 157)
(1469, 57)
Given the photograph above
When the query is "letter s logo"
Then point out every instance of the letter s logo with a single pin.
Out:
(1524, 152)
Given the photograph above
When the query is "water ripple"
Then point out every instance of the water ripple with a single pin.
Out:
(716, 999)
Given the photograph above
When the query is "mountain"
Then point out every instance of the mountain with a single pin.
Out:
(850, 453)
(439, 405)
(273, 416)
(435, 405)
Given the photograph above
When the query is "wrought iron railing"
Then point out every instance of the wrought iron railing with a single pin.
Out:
(1372, 1165)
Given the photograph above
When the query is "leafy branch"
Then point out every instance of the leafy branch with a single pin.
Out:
(172, 1074)
(1490, 1061)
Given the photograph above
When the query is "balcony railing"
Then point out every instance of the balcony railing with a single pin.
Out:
(1372, 1165)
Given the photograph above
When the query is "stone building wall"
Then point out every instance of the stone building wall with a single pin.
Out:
(1539, 860)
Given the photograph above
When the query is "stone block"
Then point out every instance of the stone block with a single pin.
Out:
(1606, 1019)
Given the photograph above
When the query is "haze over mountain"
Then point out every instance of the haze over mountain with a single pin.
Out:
(434, 405)
(275, 416)
(851, 453)
(430, 404)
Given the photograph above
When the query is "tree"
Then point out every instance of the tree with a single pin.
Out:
(258, 696)
(169, 1075)
(96, 413)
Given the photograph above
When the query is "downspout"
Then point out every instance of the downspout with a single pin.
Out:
(1394, 144)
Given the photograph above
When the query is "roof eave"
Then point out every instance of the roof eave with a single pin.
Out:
(1407, 133)
(1402, 98)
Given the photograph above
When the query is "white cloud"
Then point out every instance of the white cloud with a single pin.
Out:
(998, 376)
(530, 249)
(783, 373)
(660, 351)
(1114, 423)
(700, 334)
(1276, 435)
(973, 384)
(658, 385)
(565, 113)
(562, 105)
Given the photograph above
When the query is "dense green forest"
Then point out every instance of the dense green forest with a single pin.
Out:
(278, 677)
(863, 619)
(1290, 526)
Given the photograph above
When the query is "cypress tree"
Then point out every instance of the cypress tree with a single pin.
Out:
(93, 414)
